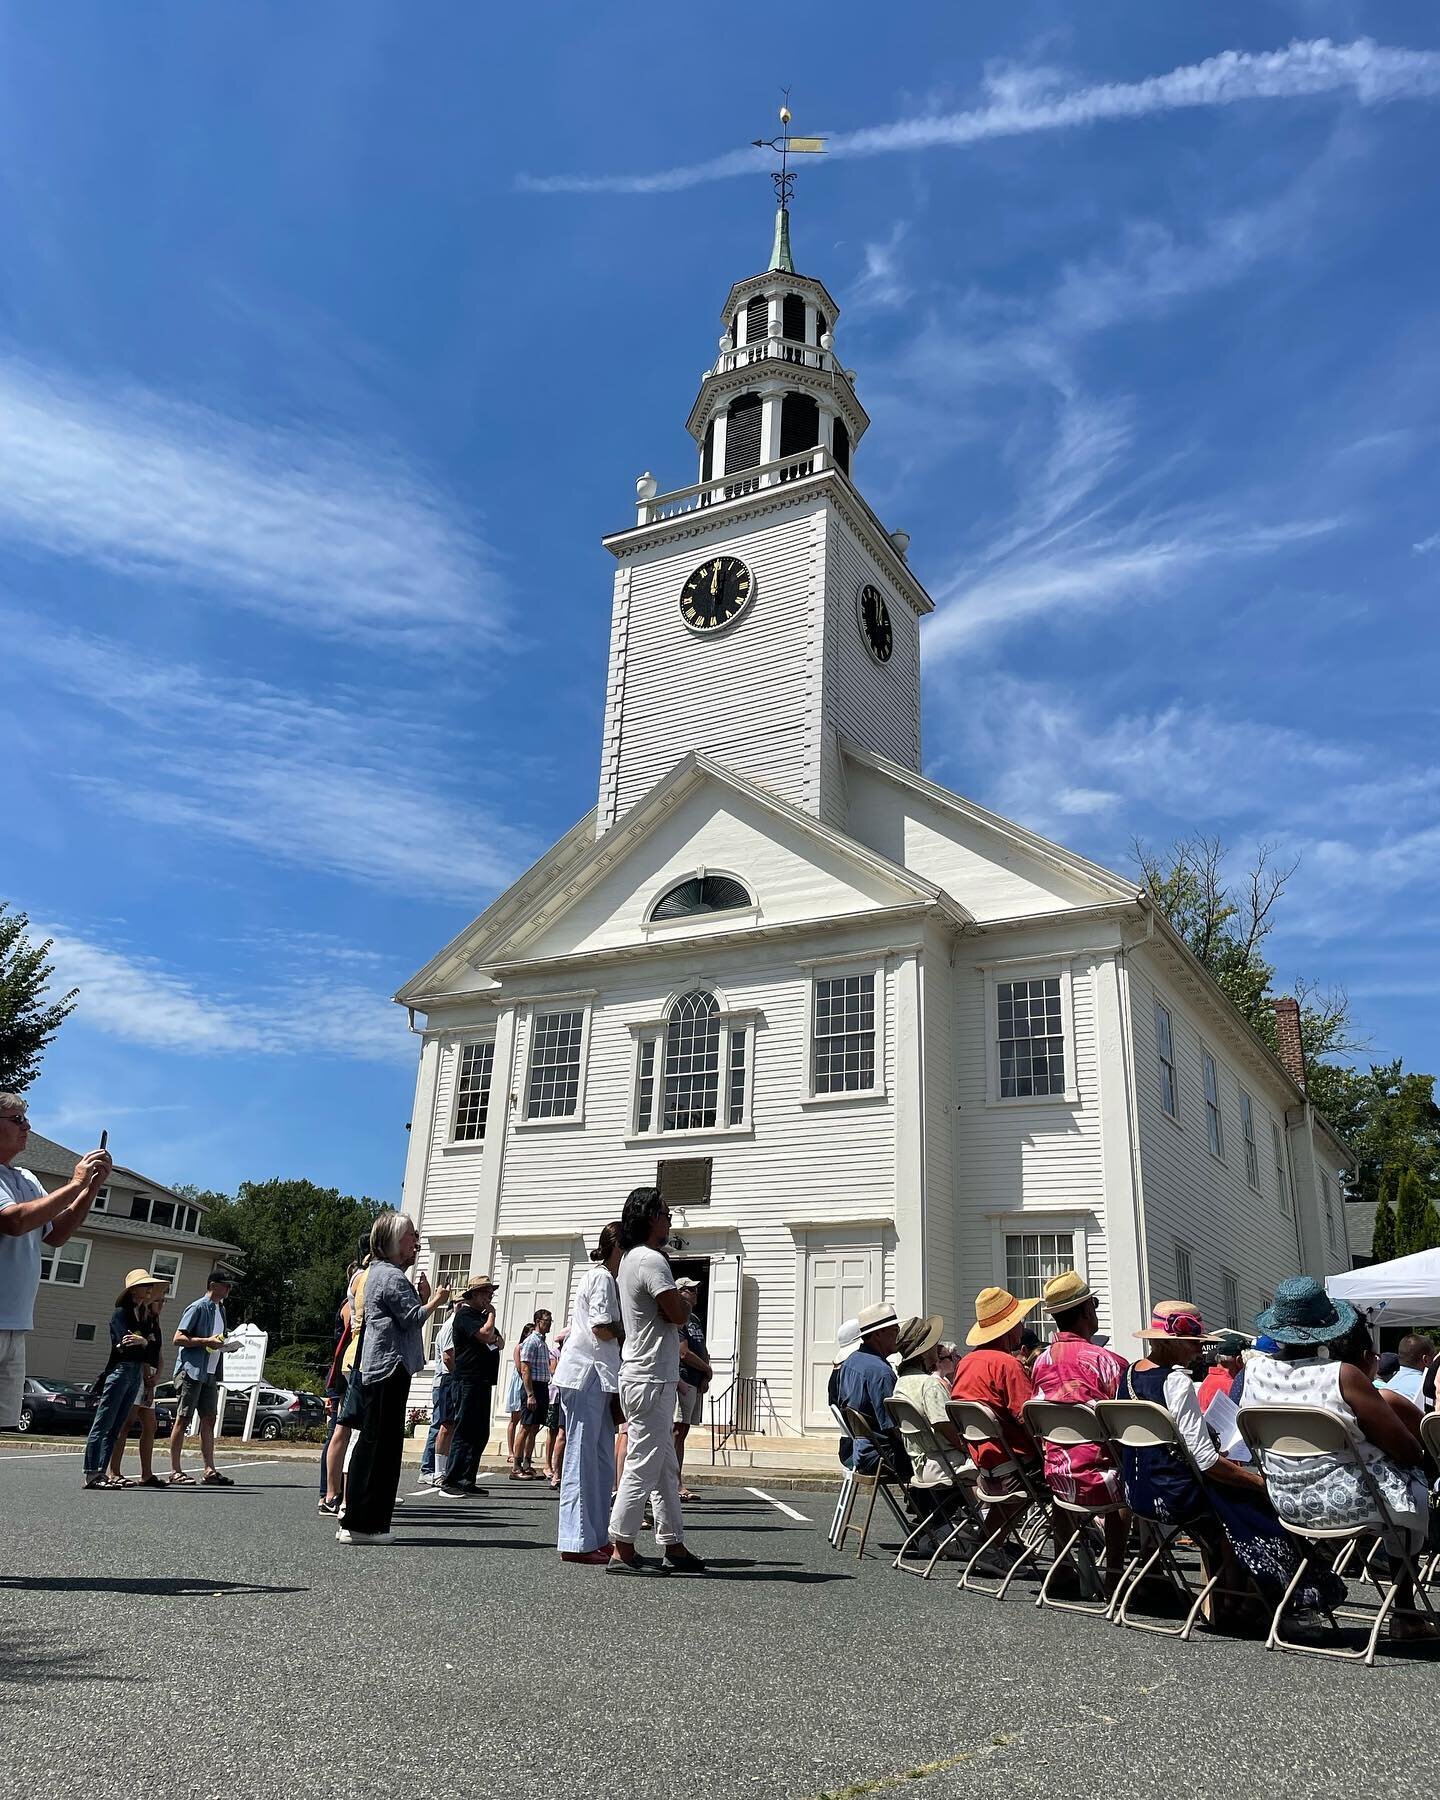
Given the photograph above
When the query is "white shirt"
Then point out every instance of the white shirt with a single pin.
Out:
(19, 1256)
(652, 1343)
(585, 1358)
(1183, 1404)
(444, 1338)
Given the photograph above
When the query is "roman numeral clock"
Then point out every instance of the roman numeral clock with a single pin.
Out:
(717, 594)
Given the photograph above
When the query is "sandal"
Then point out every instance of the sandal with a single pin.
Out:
(150, 1481)
(213, 1478)
(181, 1479)
(118, 1481)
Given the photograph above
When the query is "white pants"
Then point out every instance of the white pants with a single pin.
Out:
(12, 1378)
(650, 1466)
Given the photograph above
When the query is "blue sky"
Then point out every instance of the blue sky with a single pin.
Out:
(333, 338)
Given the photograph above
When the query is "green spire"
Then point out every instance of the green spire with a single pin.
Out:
(780, 257)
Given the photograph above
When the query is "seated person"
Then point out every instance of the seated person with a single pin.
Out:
(1230, 1348)
(1415, 1356)
(1325, 1359)
(1226, 1510)
(1075, 1371)
(865, 1380)
(919, 1352)
(993, 1373)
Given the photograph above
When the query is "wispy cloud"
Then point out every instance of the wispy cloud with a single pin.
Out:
(141, 1000)
(328, 782)
(1021, 102)
(325, 536)
(881, 284)
(1426, 545)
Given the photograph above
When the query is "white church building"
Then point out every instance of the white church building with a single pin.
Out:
(871, 1039)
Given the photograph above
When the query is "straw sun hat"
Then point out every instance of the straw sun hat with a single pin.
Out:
(996, 1312)
(142, 1278)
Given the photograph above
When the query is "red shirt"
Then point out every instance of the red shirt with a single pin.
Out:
(1216, 1382)
(998, 1379)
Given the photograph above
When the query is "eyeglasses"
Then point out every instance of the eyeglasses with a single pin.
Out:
(20, 1119)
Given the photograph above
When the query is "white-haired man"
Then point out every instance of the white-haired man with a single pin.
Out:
(29, 1217)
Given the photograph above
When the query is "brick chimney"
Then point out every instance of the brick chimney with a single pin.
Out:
(1287, 1039)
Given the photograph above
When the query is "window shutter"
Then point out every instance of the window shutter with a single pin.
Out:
(799, 424)
(792, 318)
(841, 446)
(757, 319)
(742, 434)
(707, 454)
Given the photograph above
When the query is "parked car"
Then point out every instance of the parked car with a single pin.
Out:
(70, 1406)
(277, 1411)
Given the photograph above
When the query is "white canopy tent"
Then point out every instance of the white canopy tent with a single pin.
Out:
(1403, 1292)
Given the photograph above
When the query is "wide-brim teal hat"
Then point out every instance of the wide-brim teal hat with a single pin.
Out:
(1303, 1313)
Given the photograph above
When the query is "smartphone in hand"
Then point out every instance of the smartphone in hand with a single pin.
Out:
(104, 1139)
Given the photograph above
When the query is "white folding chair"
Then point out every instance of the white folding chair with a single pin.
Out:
(890, 1472)
(1068, 1426)
(1276, 1432)
(1141, 1425)
(1430, 1438)
(1022, 1530)
(945, 1501)
(845, 1499)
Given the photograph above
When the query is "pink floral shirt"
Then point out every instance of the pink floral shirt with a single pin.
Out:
(1073, 1370)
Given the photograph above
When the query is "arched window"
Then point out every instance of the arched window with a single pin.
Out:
(757, 319)
(692, 1064)
(841, 446)
(701, 894)
(799, 424)
(742, 434)
(792, 318)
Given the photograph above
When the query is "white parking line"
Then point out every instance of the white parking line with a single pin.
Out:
(779, 1505)
(40, 1455)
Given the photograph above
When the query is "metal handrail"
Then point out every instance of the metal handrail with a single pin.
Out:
(741, 1408)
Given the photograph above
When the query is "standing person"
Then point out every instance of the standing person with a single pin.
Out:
(29, 1215)
(535, 1376)
(200, 1369)
(475, 1365)
(142, 1413)
(653, 1310)
(587, 1381)
(515, 1393)
(134, 1343)
(442, 1407)
(391, 1351)
(695, 1373)
(345, 1409)
(554, 1423)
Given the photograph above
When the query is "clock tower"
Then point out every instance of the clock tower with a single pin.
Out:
(764, 614)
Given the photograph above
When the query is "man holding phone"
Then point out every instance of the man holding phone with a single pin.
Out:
(28, 1217)
(199, 1368)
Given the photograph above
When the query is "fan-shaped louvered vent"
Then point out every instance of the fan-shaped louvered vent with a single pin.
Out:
(701, 894)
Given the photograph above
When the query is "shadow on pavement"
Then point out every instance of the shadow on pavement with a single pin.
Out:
(469, 1543)
(164, 1586)
(32, 1662)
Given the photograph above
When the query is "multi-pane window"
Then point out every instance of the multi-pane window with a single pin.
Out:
(1165, 1050)
(1215, 1131)
(692, 1063)
(101, 1202)
(165, 1266)
(1184, 1275)
(66, 1265)
(449, 1270)
(1252, 1154)
(553, 1090)
(1031, 1259)
(844, 1034)
(1031, 1037)
(472, 1092)
(645, 1086)
(735, 1107)
(162, 1212)
(1231, 1288)
(1282, 1177)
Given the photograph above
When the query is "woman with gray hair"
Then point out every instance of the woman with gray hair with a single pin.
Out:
(391, 1351)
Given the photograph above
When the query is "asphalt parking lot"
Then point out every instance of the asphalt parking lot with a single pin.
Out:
(220, 1643)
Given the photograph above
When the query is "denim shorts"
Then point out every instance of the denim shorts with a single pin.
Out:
(443, 1404)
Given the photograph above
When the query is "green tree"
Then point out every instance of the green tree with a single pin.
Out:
(29, 1015)
(1382, 1244)
(1392, 1120)
(1411, 1203)
(296, 1240)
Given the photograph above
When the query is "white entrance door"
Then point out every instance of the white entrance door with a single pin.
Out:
(722, 1321)
(838, 1282)
(532, 1284)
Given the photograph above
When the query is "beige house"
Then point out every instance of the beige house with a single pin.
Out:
(134, 1223)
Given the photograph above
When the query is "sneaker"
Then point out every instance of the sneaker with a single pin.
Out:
(460, 1493)
(332, 1507)
(342, 1536)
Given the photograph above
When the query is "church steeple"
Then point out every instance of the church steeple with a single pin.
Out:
(780, 257)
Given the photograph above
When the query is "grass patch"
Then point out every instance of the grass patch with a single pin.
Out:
(921, 1771)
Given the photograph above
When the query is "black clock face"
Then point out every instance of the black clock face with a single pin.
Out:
(716, 594)
(875, 624)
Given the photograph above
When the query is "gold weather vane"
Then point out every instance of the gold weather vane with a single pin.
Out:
(786, 147)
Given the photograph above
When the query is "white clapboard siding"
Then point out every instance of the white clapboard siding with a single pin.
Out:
(942, 1236)
(993, 876)
(452, 1175)
(835, 1161)
(787, 872)
(1191, 1198)
(875, 705)
(1041, 1161)
(742, 695)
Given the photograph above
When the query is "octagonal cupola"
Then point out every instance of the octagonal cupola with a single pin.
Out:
(777, 389)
